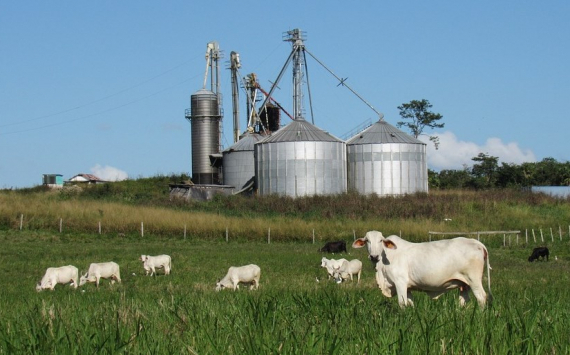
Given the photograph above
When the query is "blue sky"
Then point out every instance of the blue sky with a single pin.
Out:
(101, 87)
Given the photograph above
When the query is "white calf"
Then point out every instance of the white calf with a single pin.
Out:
(151, 263)
(58, 275)
(347, 270)
(101, 270)
(331, 264)
(248, 274)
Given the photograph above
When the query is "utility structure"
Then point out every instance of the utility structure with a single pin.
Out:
(299, 159)
(205, 116)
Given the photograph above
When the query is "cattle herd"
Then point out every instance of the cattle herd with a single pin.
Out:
(401, 267)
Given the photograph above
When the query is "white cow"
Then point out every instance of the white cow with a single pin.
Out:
(331, 264)
(347, 269)
(249, 274)
(151, 263)
(101, 270)
(58, 275)
(433, 267)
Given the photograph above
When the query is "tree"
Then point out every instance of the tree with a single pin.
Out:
(418, 113)
(485, 171)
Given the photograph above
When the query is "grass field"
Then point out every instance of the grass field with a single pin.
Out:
(291, 313)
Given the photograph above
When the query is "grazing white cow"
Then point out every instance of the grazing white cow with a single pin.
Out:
(58, 275)
(433, 267)
(151, 263)
(331, 264)
(347, 269)
(248, 274)
(101, 270)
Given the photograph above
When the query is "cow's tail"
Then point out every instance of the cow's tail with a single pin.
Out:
(490, 297)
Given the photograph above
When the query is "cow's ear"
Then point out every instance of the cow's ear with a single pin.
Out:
(359, 243)
(389, 244)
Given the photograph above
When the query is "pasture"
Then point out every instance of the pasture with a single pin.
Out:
(291, 313)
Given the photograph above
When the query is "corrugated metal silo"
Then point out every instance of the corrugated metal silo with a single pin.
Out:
(385, 160)
(238, 161)
(300, 160)
(205, 120)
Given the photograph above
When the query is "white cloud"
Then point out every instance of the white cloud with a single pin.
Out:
(108, 173)
(454, 153)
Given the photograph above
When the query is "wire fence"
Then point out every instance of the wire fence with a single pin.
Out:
(510, 237)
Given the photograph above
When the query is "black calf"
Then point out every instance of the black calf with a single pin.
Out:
(334, 247)
(540, 252)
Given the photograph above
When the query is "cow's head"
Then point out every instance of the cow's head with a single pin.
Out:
(376, 243)
(143, 258)
(373, 241)
(38, 287)
(83, 279)
(219, 286)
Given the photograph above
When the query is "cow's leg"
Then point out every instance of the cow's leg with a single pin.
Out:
(404, 296)
(97, 281)
(463, 295)
(479, 293)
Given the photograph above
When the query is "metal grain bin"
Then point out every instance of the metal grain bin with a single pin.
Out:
(205, 120)
(386, 161)
(300, 160)
(238, 161)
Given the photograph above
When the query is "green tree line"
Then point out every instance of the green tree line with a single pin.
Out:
(486, 172)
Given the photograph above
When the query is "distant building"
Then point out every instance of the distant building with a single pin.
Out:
(52, 180)
(556, 191)
(85, 179)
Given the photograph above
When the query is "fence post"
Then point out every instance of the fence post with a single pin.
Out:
(560, 232)
(551, 235)
(504, 240)
(354, 234)
(541, 235)
(21, 220)
(60, 225)
(226, 234)
(268, 235)
(526, 236)
(142, 229)
(313, 236)
(99, 227)
(184, 231)
(533, 235)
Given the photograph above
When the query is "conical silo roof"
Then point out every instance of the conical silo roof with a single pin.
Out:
(300, 130)
(382, 132)
(246, 142)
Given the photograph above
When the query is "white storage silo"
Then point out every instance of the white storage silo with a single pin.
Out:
(238, 161)
(300, 160)
(386, 161)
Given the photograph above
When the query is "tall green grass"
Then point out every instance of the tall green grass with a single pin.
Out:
(291, 313)
(282, 218)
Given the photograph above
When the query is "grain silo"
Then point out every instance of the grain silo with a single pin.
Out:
(205, 119)
(386, 161)
(300, 160)
(238, 161)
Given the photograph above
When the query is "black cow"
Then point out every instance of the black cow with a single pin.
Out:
(334, 247)
(541, 252)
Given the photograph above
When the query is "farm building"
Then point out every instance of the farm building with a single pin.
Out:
(52, 180)
(85, 179)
